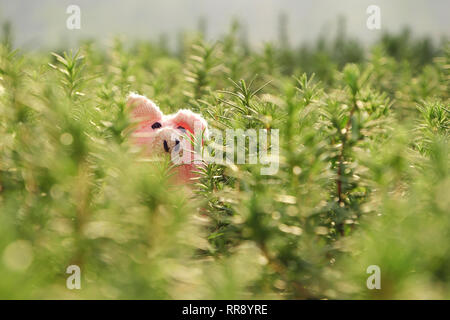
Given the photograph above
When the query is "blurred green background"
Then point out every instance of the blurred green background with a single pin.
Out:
(363, 176)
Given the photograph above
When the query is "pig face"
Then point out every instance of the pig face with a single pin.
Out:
(166, 135)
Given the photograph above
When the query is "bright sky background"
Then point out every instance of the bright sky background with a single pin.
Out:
(42, 23)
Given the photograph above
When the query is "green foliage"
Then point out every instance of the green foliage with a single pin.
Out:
(363, 175)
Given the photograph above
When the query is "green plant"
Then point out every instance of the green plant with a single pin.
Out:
(362, 175)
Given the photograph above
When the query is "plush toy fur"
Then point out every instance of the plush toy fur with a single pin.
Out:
(166, 135)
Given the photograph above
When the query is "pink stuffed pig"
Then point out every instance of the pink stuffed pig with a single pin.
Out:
(167, 135)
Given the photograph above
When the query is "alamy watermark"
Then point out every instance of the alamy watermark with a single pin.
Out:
(74, 280)
(74, 20)
(263, 148)
(373, 281)
(374, 20)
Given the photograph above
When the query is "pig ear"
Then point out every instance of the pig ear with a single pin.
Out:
(142, 109)
(190, 121)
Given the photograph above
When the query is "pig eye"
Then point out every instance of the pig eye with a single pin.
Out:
(181, 128)
(156, 125)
